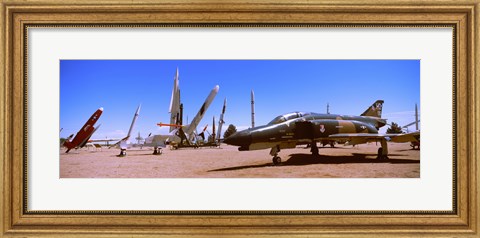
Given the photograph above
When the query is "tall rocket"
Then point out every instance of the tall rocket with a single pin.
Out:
(252, 98)
(416, 117)
(221, 121)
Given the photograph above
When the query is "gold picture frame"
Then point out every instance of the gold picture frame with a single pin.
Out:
(17, 220)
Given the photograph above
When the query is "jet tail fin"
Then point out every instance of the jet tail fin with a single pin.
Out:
(375, 110)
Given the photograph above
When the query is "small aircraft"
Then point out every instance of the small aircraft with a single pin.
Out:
(179, 134)
(123, 144)
(292, 129)
(82, 136)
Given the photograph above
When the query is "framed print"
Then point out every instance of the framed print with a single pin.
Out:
(259, 118)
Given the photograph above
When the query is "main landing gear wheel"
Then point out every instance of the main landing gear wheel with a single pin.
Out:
(314, 149)
(380, 154)
(122, 153)
(277, 160)
(157, 151)
(274, 152)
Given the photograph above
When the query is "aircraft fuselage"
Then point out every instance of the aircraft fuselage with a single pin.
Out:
(302, 130)
(85, 132)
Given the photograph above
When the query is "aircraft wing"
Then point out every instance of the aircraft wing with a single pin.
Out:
(360, 138)
(121, 143)
(408, 137)
(158, 140)
(104, 140)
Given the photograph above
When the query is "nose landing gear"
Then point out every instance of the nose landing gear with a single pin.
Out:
(157, 151)
(274, 152)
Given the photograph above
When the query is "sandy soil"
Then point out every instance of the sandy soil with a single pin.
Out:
(227, 162)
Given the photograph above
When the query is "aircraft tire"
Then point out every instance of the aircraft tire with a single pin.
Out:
(277, 160)
(383, 157)
(314, 151)
(379, 153)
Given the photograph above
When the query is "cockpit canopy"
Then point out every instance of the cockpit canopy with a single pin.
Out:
(287, 117)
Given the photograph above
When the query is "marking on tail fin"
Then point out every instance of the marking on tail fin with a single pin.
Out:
(375, 110)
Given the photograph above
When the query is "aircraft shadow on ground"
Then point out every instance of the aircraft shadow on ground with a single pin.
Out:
(356, 158)
(134, 155)
(408, 150)
(308, 159)
(330, 148)
(242, 167)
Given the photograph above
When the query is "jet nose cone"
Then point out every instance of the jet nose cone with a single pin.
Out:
(242, 138)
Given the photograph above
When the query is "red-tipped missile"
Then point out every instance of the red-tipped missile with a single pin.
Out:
(84, 133)
(166, 124)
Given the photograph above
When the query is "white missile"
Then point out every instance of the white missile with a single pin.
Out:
(196, 120)
(252, 98)
(416, 117)
(134, 120)
(175, 101)
(221, 121)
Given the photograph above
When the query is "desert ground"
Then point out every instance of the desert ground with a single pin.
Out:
(227, 162)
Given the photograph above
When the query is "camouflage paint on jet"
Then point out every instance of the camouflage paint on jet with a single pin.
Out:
(292, 129)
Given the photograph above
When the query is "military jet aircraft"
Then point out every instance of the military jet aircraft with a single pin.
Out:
(292, 129)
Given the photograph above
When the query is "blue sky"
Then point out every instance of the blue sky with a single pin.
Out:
(280, 86)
